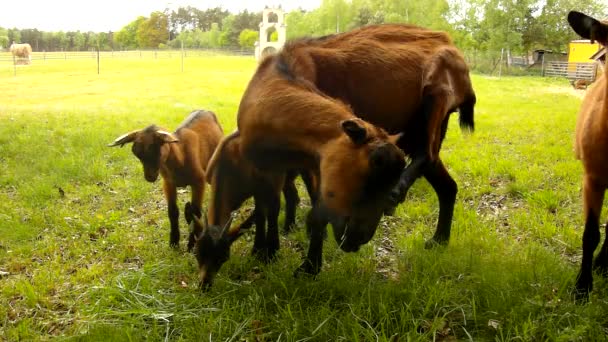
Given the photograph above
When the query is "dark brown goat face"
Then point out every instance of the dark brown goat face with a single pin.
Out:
(212, 247)
(358, 172)
(147, 144)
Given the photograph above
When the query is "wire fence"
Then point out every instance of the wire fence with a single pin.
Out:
(494, 63)
(6, 57)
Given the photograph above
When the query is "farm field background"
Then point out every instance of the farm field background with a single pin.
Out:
(84, 249)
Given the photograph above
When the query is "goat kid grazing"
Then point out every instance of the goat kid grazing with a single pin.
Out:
(233, 180)
(591, 145)
(180, 157)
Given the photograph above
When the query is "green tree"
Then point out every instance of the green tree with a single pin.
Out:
(226, 36)
(214, 36)
(14, 35)
(78, 41)
(4, 42)
(153, 31)
(126, 38)
(247, 39)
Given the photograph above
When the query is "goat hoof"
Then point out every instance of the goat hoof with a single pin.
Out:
(307, 270)
(434, 243)
(191, 243)
(390, 211)
(581, 294)
(600, 265)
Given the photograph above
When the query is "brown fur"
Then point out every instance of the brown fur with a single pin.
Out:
(399, 64)
(402, 78)
(287, 123)
(180, 158)
(591, 144)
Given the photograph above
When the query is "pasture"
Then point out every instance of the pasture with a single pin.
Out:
(84, 239)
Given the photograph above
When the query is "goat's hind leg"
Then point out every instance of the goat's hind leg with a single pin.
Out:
(197, 206)
(600, 264)
(291, 201)
(259, 242)
(446, 188)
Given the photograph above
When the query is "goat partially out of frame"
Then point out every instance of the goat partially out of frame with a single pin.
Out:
(591, 145)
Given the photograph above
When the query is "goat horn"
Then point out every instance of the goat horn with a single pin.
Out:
(201, 223)
(228, 223)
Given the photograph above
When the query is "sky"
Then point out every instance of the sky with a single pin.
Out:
(112, 15)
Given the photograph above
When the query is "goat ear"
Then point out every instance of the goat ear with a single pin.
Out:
(395, 138)
(166, 137)
(124, 139)
(355, 130)
(588, 27)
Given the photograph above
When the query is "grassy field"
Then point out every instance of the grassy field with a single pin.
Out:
(84, 239)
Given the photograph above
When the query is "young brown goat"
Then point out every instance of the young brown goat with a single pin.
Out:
(233, 180)
(286, 124)
(180, 157)
(591, 146)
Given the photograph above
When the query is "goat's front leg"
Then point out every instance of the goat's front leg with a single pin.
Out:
(272, 233)
(593, 197)
(173, 210)
(409, 175)
(316, 222)
(198, 191)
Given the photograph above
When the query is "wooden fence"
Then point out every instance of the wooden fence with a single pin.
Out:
(572, 71)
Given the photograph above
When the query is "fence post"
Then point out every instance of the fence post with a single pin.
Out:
(14, 66)
(98, 60)
(542, 66)
(500, 63)
(182, 43)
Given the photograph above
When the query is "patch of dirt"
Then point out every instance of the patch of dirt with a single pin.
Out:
(566, 90)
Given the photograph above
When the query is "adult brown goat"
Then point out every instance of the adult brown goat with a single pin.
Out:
(591, 145)
(233, 180)
(402, 78)
(180, 157)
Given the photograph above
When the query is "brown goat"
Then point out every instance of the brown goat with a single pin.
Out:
(181, 159)
(233, 180)
(402, 78)
(591, 145)
(286, 124)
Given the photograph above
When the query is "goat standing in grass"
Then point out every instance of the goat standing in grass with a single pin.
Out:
(591, 147)
(233, 180)
(181, 159)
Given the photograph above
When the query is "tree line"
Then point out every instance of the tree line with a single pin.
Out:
(477, 26)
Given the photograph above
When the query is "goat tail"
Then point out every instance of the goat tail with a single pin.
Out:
(467, 113)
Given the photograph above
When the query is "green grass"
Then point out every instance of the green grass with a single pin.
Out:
(95, 264)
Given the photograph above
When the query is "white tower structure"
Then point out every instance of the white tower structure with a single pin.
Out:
(273, 20)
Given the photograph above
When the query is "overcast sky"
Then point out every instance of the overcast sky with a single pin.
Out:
(112, 15)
